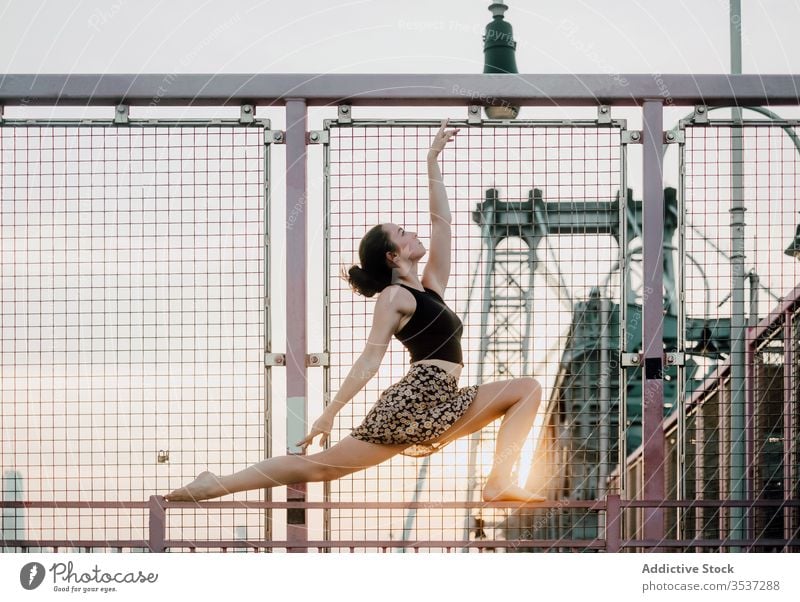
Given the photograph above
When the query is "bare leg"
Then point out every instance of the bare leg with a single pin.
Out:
(511, 437)
(518, 401)
(347, 456)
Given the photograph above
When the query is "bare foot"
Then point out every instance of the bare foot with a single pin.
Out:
(205, 486)
(509, 493)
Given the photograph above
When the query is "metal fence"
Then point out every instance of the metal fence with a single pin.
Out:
(535, 228)
(133, 279)
(136, 343)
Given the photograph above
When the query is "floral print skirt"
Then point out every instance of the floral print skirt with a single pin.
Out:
(419, 407)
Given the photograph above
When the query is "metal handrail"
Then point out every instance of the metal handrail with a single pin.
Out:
(612, 505)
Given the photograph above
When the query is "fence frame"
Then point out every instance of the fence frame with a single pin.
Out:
(612, 505)
(296, 92)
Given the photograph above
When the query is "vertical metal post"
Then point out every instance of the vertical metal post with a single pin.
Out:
(158, 524)
(605, 395)
(296, 298)
(749, 370)
(613, 523)
(788, 426)
(680, 398)
(737, 359)
(653, 318)
(326, 309)
(735, 9)
(625, 294)
(268, 426)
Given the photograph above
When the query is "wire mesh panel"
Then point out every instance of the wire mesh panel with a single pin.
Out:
(704, 467)
(768, 425)
(753, 166)
(535, 277)
(793, 430)
(769, 189)
(133, 325)
(774, 424)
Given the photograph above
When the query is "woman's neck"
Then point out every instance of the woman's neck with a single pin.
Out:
(406, 276)
(414, 283)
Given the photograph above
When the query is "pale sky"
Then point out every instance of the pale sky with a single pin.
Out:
(389, 37)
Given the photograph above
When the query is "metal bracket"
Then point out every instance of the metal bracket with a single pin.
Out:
(634, 360)
(474, 115)
(274, 359)
(630, 360)
(345, 114)
(672, 136)
(604, 114)
(274, 137)
(121, 114)
(315, 360)
(675, 358)
(631, 137)
(700, 114)
(248, 114)
(318, 137)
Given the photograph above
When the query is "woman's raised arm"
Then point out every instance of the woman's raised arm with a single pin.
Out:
(437, 270)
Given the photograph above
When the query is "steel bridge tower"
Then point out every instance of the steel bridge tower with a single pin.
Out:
(510, 235)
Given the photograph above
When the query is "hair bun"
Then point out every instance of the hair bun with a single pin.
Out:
(373, 275)
(360, 281)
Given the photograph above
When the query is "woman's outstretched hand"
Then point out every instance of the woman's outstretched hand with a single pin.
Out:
(441, 139)
(322, 426)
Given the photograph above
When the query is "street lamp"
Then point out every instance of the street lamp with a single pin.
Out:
(499, 56)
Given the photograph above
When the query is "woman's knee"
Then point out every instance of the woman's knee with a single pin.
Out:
(531, 393)
(524, 387)
(532, 386)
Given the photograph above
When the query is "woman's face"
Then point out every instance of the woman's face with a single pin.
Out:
(408, 245)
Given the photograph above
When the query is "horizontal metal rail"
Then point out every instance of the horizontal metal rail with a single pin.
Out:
(393, 543)
(224, 544)
(74, 543)
(592, 505)
(407, 89)
(746, 544)
(559, 504)
(613, 542)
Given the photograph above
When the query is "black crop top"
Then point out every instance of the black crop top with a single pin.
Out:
(434, 330)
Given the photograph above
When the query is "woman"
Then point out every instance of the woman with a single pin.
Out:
(423, 411)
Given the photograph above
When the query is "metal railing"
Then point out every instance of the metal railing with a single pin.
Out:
(295, 93)
(157, 538)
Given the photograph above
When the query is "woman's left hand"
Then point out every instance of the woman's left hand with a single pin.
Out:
(441, 139)
(322, 426)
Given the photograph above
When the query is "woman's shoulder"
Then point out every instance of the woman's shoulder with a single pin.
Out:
(395, 300)
(398, 297)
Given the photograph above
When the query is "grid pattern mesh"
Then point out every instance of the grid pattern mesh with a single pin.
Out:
(132, 321)
(703, 469)
(768, 436)
(554, 264)
(769, 186)
(794, 415)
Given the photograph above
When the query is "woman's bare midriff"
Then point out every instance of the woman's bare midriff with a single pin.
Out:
(451, 368)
